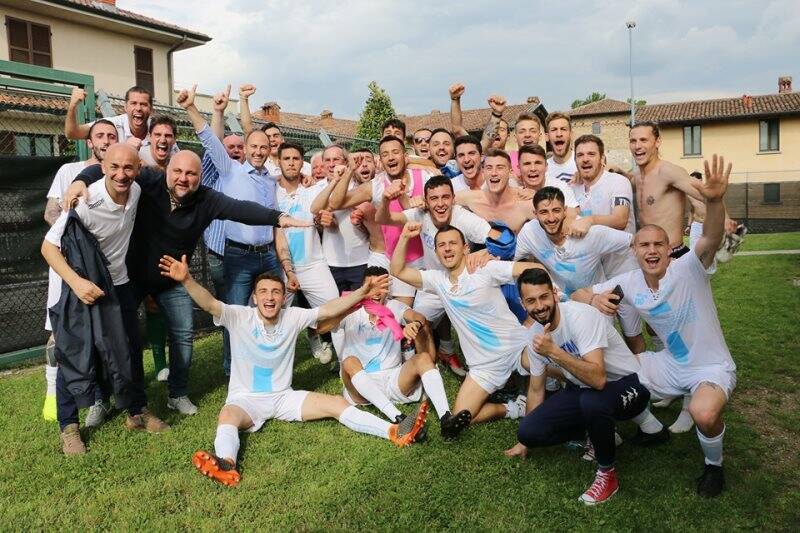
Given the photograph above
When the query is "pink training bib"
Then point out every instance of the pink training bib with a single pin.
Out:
(514, 155)
(391, 234)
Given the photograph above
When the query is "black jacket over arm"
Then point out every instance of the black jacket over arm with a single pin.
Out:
(91, 341)
(159, 230)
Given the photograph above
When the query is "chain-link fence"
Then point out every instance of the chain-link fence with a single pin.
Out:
(32, 148)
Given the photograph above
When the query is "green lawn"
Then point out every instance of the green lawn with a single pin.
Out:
(321, 475)
(771, 241)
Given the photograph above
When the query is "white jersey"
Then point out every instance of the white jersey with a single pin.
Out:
(110, 223)
(474, 228)
(344, 245)
(64, 178)
(569, 196)
(380, 180)
(609, 191)
(262, 357)
(562, 171)
(377, 350)
(581, 329)
(123, 125)
(305, 246)
(577, 262)
(459, 183)
(682, 311)
(488, 332)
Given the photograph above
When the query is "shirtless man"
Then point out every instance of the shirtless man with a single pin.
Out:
(661, 186)
(497, 202)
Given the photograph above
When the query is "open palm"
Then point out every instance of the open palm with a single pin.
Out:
(174, 269)
(715, 184)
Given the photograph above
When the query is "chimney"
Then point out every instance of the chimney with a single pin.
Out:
(272, 112)
(532, 100)
(784, 84)
(326, 118)
(109, 2)
(747, 101)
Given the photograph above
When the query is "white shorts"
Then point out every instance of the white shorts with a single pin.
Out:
(430, 306)
(286, 405)
(389, 383)
(666, 379)
(318, 286)
(398, 288)
(695, 232)
(495, 377)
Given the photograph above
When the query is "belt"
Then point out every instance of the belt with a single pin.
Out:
(254, 248)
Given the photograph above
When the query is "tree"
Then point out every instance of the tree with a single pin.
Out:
(594, 97)
(638, 102)
(377, 110)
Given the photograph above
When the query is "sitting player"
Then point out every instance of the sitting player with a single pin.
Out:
(491, 338)
(263, 341)
(373, 370)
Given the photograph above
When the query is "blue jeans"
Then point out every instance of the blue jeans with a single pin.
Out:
(176, 305)
(241, 269)
(217, 275)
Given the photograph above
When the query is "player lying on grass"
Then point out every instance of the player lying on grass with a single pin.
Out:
(263, 341)
(373, 370)
(491, 338)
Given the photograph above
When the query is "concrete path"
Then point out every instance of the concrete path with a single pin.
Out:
(769, 252)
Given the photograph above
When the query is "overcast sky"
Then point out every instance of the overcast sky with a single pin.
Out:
(310, 55)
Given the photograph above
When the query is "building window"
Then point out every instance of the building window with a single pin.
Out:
(144, 67)
(29, 42)
(25, 144)
(772, 193)
(691, 140)
(597, 128)
(768, 135)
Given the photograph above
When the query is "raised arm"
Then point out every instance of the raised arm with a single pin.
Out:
(218, 116)
(179, 271)
(398, 266)
(73, 130)
(383, 214)
(498, 105)
(344, 198)
(322, 200)
(211, 143)
(245, 92)
(456, 120)
(678, 178)
(588, 368)
(713, 191)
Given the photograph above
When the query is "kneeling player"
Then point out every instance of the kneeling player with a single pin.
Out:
(373, 370)
(263, 341)
(491, 338)
(595, 360)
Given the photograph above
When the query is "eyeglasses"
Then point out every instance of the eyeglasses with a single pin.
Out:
(420, 140)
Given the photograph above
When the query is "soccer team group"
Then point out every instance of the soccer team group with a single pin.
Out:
(531, 258)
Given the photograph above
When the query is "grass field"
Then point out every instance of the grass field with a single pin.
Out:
(322, 476)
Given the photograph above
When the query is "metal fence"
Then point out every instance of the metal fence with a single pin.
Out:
(32, 148)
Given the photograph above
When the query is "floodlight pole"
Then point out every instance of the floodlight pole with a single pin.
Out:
(631, 24)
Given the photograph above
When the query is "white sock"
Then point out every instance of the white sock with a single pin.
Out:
(516, 408)
(647, 422)
(712, 447)
(226, 445)
(684, 421)
(446, 346)
(364, 422)
(50, 373)
(434, 388)
(374, 395)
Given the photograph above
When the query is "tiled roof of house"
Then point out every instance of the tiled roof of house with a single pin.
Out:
(606, 106)
(722, 108)
(338, 126)
(112, 11)
(473, 119)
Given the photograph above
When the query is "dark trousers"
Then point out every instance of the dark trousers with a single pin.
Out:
(348, 278)
(67, 408)
(558, 418)
(241, 268)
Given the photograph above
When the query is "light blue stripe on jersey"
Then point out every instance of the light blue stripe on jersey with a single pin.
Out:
(373, 366)
(586, 212)
(565, 267)
(678, 348)
(214, 235)
(297, 246)
(262, 379)
(484, 334)
(660, 309)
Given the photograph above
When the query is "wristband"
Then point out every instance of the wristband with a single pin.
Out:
(495, 115)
